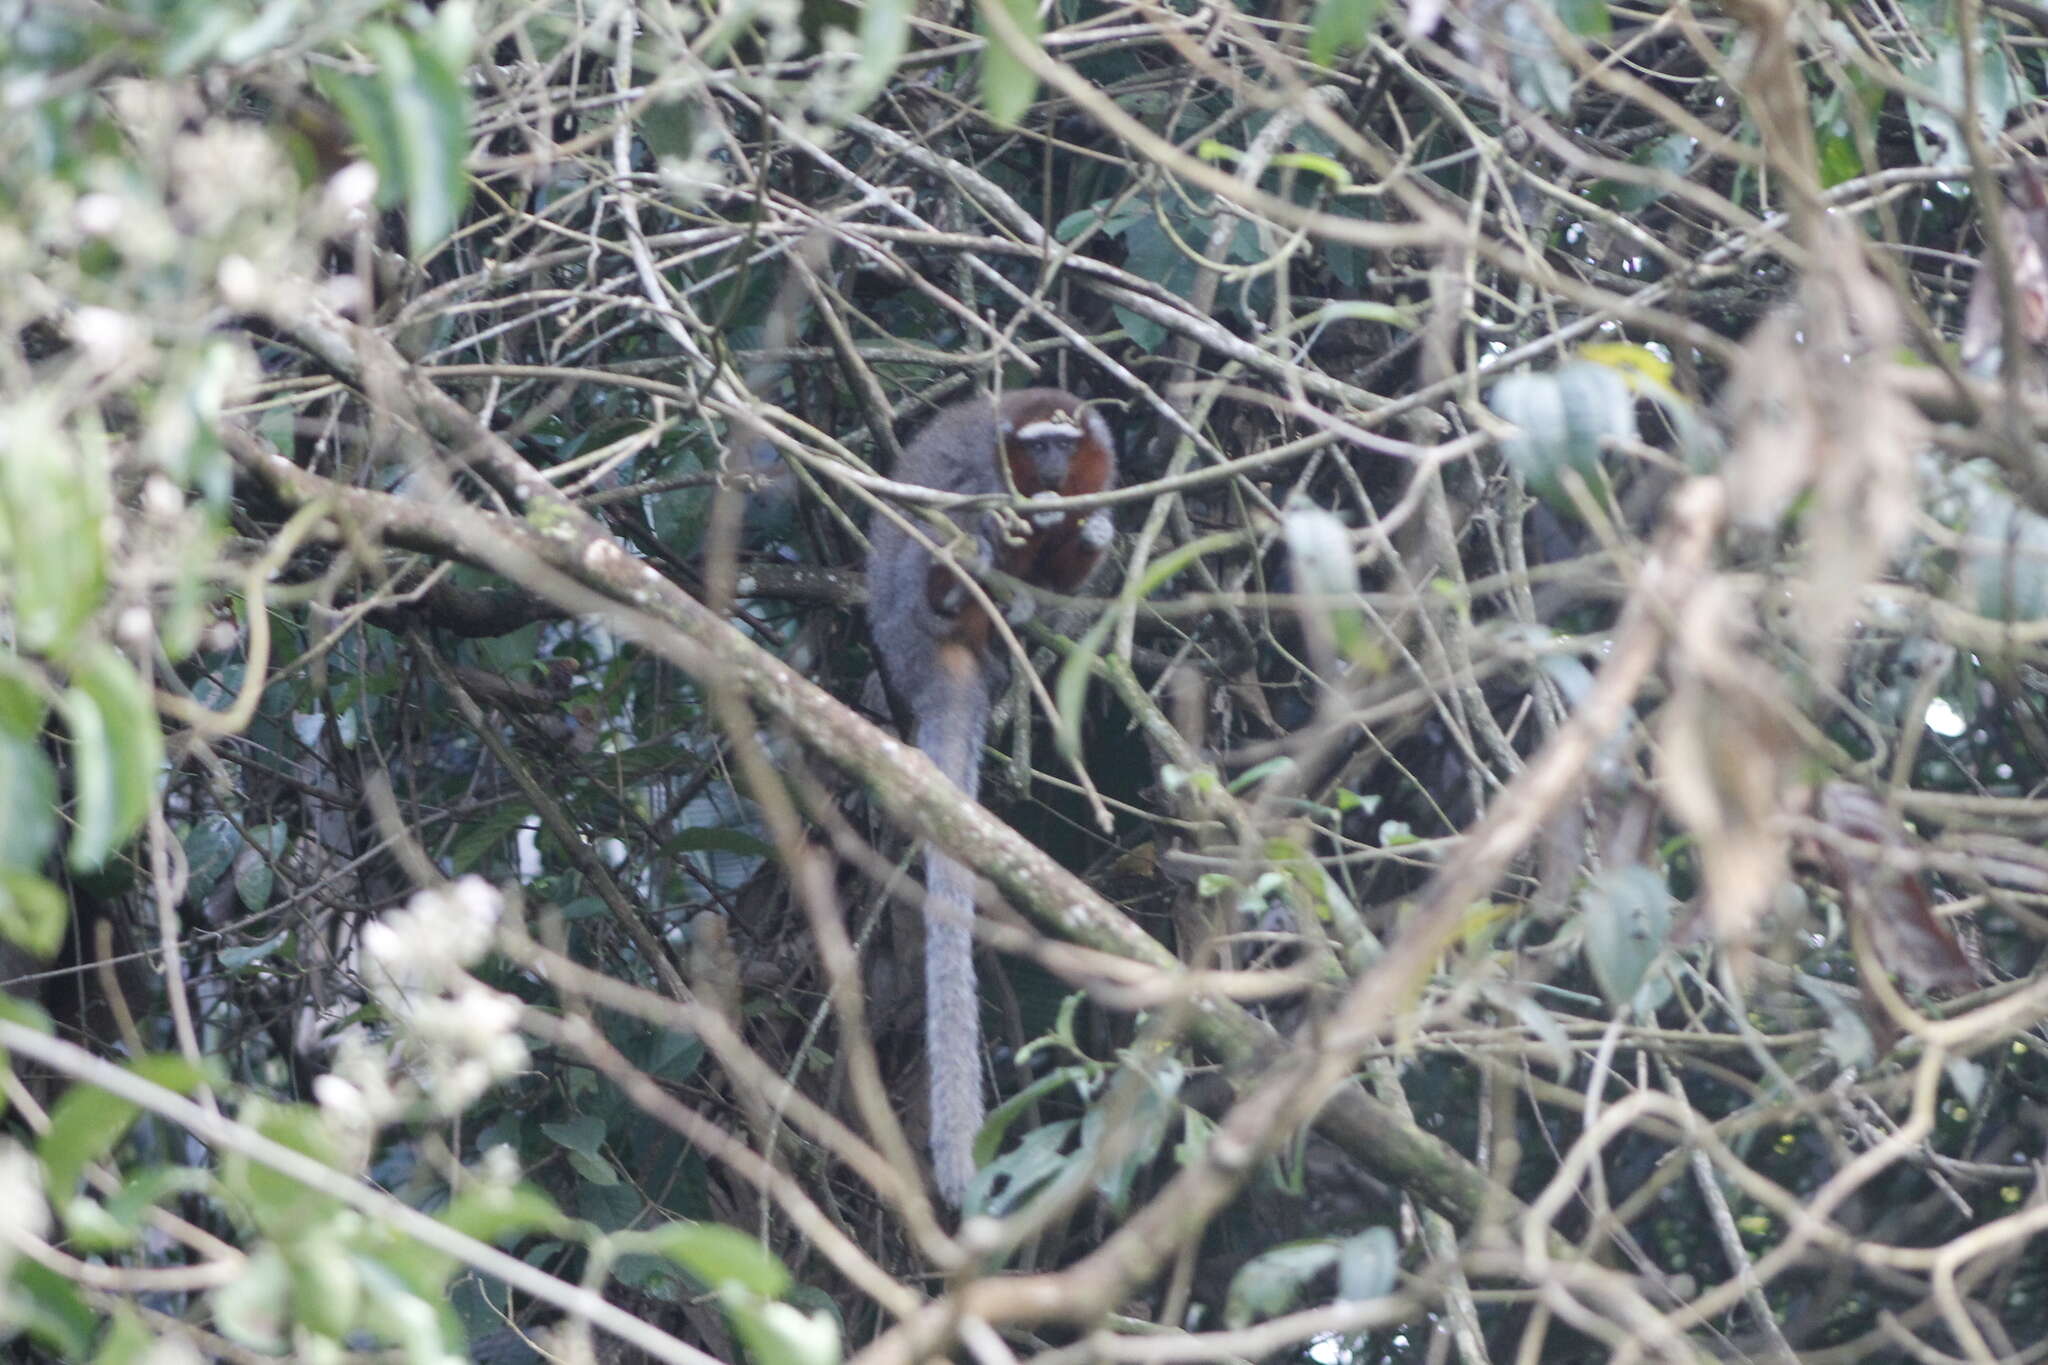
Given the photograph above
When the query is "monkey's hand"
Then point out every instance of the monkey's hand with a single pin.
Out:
(1005, 526)
(1021, 608)
(943, 586)
(1046, 519)
(1098, 530)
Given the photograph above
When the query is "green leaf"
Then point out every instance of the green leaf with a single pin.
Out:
(2005, 563)
(369, 117)
(990, 1139)
(611, 1207)
(1008, 85)
(491, 1213)
(669, 128)
(481, 835)
(51, 1310)
(1840, 160)
(1339, 26)
(1367, 1264)
(1554, 1045)
(1320, 556)
(326, 1286)
(711, 839)
(1627, 920)
(85, 1124)
(1672, 155)
(595, 1170)
(1937, 135)
(734, 17)
(94, 812)
(884, 38)
(1275, 1281)
(1565, 420)
(583, 1134)
(1327, 167)
(281, 1206)
(1541, 78)
(27, 1014)
(1154, 253)
(117, 748)
(210, 847)
(717, 1256)
(1070, 691)
(450, 35)
(142, 1190)
(246, 955)
(52, 554)
(173, 1072)
(33, 914)
(782, 1333)
(276, 22)
(192, 35)
(1144, 333)
(1197, 1131)
(255, 878)
(1142, 1131)
(253, 1308)
(1586, 18)
(1967, 1077)
(22, 707)
(1598, 408)
(412, 118)
(430, 112)
(1532, 403)
(126, 1342)
(416, 1319)
(28, 802)
(1005, 1183)
(1847, 1038)
(1114, 224)
(1259, 772)
(89, 1228)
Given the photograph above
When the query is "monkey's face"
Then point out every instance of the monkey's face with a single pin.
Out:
(1047, 443)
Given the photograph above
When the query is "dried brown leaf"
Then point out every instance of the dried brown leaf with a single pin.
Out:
(1814, 417)
(1724, 766)
(1892, 900)
(2025, 222)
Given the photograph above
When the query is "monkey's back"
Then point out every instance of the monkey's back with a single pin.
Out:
(956, 453)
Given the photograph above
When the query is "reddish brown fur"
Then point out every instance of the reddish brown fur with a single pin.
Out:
(1053, 557)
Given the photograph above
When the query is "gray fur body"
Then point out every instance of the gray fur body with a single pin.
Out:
(951, 733)
(956, 453)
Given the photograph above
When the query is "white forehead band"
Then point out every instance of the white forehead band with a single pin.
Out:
(1059, 424)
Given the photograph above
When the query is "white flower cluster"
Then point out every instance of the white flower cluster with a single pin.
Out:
(780, 23)
(439, 933)
(454, 1035)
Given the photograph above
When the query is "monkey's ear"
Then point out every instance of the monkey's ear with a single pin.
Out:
(1097, 425)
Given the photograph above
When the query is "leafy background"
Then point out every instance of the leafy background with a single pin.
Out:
(1569, 696)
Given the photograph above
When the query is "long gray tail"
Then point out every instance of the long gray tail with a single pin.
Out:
(953, 719)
